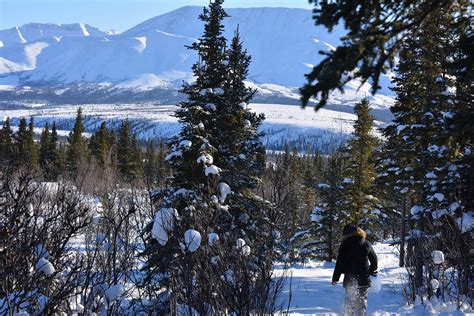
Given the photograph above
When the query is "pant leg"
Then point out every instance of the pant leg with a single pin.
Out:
(350, 301)
(361, 308)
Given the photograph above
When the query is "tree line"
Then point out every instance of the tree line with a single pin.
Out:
(120, 151)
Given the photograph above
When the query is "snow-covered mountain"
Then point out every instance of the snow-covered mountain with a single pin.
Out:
(283, 42)
(20, 47)
(46, 70)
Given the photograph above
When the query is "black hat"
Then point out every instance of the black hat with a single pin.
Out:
(349, 229)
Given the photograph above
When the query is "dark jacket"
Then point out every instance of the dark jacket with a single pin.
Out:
(354, 256)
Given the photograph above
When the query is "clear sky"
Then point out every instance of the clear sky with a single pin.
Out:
(110, 14)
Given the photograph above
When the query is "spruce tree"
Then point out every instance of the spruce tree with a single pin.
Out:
(151, 168)
(77, 150)
(163, 170)
(285, 184)
(330, 213)
(360, 172)
(125, 153)
(216, 161)
(45, 147)
(155, 167)
(427, 156)
(460, 126)
(22, 141)
(100, 144)
(32, 147)
(136, 163)
(6, 142)
(56, 158)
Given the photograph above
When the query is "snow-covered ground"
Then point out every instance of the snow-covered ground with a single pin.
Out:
(312, 293)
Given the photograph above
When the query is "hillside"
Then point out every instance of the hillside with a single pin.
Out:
(152, 56)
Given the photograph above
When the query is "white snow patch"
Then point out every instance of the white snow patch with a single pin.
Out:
(400, 128)
(114, 292)
(437, 196)
(454, 206)
(416, 209)
(144, 82)
(246, 250)
(45, 266)
(212, 169)
(437, 256)
(205, 159)
(185, 143)
(163, 224)
(192, 239)
(224, 190)
(210, 107)
(176, 153)
(466, 222)
(347, 180)
(240, 243)
(84, 29)
(141, 43)
(212, 238)
(315, 215)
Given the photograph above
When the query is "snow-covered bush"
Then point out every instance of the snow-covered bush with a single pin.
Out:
(39, 223)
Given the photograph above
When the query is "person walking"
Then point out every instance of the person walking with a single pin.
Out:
(357, 261)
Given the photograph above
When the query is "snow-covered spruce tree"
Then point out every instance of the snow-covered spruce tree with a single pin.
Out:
(394, 185)
(241, 156)
(210, 247)
(360, 169)
(428, 162)
(461, 129)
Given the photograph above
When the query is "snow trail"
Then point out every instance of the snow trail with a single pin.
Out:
(313, 294)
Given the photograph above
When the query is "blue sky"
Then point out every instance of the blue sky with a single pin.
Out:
(110, 14)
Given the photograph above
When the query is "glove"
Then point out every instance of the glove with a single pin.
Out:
(374, 273)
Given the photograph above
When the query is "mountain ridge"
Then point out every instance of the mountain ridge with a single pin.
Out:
(283, 43)
(270, 35)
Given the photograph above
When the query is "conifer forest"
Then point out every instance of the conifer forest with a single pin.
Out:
(210, 221)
